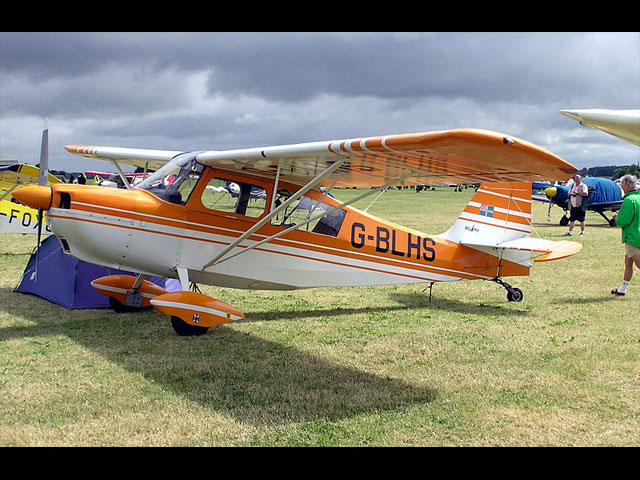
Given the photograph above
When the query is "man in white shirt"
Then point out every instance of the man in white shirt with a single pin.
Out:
(577, 192)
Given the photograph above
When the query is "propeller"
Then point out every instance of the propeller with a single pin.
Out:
(43, 177)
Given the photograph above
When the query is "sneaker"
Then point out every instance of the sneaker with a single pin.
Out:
(617, 293)
(582, 234)
(568, 234)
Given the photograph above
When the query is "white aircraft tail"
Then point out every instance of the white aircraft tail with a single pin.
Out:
(497, 220)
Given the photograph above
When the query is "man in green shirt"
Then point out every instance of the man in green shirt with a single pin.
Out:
(628, 217)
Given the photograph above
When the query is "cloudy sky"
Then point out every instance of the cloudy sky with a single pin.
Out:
(215, 91)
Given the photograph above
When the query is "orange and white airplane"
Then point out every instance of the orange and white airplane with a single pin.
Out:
(282, 229)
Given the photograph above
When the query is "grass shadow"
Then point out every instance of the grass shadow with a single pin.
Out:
(417, 300)
(585, 301)
(255, 380)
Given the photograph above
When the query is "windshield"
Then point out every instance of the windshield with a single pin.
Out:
(175, 180)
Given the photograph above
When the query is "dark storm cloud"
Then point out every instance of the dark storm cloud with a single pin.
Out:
(296, 67)
(227, 90)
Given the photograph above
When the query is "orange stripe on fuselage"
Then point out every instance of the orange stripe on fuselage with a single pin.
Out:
(452, 259)
(377, 259)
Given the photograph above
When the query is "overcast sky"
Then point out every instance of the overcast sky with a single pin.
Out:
(215, 91)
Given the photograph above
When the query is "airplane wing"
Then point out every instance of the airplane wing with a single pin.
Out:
(137, 157)
(540, 198)
(604, 205)
(451, 156)
(624, 124)
(20, 175)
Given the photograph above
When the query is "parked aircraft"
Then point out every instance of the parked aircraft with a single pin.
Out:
(296, 234)
(604, 196)
(623, 124)
(16, 217)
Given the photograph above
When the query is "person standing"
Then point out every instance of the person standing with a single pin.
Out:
(628, 218)
(577, 193)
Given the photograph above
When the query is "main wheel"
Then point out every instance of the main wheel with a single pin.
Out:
(564, 221)
(118, 307)
(515, 295)
(185, 329)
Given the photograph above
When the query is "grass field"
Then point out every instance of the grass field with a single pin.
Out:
(370, 366)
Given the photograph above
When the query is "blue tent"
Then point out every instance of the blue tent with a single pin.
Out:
(66, 281)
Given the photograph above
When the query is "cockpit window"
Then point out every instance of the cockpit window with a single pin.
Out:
(305, 208)
(175, 181)
(234, 197)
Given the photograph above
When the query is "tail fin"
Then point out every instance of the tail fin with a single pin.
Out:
(497, 213)
(497, 220)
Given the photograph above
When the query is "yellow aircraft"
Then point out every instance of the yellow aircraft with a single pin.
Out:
(16, 217)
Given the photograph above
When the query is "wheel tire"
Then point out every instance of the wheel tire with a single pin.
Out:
(515, 295)
(564, 221)
(185, 329)
(118, 307)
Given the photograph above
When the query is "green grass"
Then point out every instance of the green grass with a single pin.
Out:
(367, 366)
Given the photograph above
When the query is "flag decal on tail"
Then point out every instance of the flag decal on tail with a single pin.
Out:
(486, 210)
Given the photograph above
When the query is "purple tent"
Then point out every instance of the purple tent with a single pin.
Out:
(66, 281)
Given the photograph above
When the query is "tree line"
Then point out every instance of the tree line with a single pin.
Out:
(612, 171)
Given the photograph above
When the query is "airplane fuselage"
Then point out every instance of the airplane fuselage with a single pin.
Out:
(136, 230)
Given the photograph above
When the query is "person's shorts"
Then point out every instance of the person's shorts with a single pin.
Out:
(577, 215)
(631, 250)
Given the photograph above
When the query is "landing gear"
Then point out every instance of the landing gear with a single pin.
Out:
(119, 307)
(430, 287)
(610, 221)
(513, 294)
(191, 312)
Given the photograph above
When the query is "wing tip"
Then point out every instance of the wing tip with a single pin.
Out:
(79, 149)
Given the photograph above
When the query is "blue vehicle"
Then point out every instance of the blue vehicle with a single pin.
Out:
(604, 196)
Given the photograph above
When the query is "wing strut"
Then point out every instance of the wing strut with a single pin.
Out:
(121, 173)
(273, 213)
(315, 217)
(8, 192)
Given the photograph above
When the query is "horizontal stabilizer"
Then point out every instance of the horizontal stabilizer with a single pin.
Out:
(552, 250)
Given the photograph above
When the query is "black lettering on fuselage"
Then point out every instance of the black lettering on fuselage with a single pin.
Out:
(357, 239)
(386, 240)
(429, 253)
(382, 240)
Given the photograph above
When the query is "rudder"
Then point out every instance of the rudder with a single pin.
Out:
(498, 212)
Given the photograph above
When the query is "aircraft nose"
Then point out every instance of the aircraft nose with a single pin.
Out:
(550, 191)
(34, 197)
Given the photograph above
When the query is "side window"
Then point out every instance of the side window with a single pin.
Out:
(305, 208)
(234, 197)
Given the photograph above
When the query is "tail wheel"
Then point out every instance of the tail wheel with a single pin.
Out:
(185, 329)
(515, 295)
